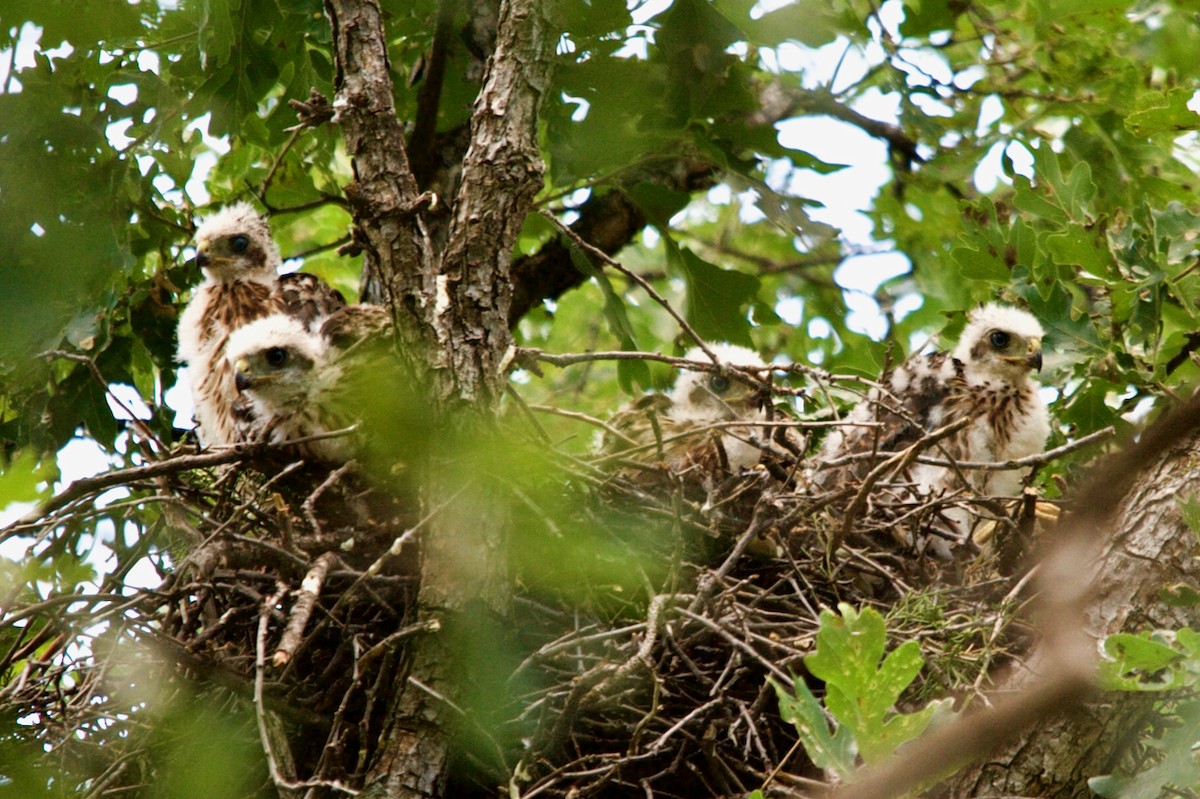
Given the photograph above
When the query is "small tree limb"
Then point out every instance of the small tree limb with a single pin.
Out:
(310, 590)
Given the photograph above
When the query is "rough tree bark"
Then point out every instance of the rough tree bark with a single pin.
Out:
(451, 307)
(1149, 548)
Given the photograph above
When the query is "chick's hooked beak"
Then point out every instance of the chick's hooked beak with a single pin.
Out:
(242, 378)
(1034, 358)
(201, 258)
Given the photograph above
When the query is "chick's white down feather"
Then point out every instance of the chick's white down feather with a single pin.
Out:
(285, 375)
(985, 379)
(674, 427)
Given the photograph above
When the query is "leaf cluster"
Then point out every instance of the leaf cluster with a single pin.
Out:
(1036, 152)
(858, 716)
(1166, 665)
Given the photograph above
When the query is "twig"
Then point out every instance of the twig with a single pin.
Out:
(172, 465)
(897, 462)
(569, 359)
(528, 414)
(1038, 459)
(260, 711)
(738, 643)
(310, 502)
(310, 589)
(709, 581)
(604, 258)
(270, 176)
(395, 549)
(524, 355)
(333, 245)
(661, 740)
(97, 376)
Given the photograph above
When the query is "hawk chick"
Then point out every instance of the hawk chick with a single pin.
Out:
(239, 260)
(985, 380)
(284, 375)
(679, 428)
(295, 383)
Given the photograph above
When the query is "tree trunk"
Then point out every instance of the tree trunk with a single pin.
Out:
(1150, 547)
(451, 309)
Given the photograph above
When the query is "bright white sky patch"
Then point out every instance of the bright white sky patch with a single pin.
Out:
(866, 273)
(179, 398)
(847, 192)
(128, 403)
(790, 310)
(864, 316)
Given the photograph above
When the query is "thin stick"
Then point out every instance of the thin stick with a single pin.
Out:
(310, 503)
(310, 589)
(260, 711)
(895, 463)
(96, 374)
(1037, 459)
(173, 465)
(572, 358)
(604, 258)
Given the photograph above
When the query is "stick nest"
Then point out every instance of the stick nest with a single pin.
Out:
(642, 671)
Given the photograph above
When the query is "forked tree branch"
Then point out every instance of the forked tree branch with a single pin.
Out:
(451, 306)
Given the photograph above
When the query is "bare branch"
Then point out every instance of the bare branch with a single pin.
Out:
(302, 610)
(604, 258)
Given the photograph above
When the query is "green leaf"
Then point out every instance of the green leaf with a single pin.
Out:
(1034, 202)
(810, 22)
(1180, 595)
(26, 479)
(1163, 113)
(862, 686)
(785, 212)
(717, 299)
(830, 750)
(923, 17)
(658, 202)
(977, 265)
(1076, 246)
(1080, 189)
(1140, 663)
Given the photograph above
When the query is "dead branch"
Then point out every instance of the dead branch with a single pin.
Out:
(310, 589)
(604, 258)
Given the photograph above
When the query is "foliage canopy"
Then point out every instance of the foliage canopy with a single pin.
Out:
(1038, 152)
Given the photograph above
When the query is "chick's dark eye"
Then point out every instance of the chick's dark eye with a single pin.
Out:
(999, 339)
(276, 356)
(718, 383)
(239, 243)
